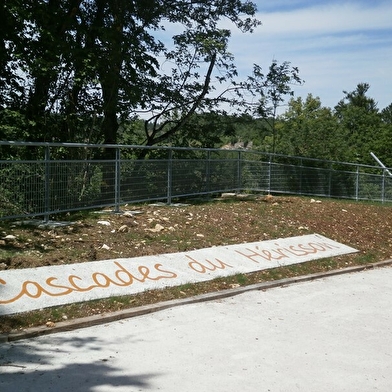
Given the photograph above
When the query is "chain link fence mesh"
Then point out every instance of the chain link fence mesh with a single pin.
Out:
(58, 178)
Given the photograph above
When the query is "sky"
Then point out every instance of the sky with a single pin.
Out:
(336, 44)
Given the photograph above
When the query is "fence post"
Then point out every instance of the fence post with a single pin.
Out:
(117, 181)
(383, 186)
(208, 171)
(357, 185)
(239, 172)
(169, 176)
(300, 175)
(47, 183)
(269, 174)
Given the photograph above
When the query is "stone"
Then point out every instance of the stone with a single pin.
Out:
(123, 229)
(103, 223)
(228, 195)
(156, 229)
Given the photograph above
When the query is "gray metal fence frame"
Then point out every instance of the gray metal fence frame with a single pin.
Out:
(57, 180)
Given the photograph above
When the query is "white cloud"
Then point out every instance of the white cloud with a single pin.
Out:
(335, 46)
(328, 18)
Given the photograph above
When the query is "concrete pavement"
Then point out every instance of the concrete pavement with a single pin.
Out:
(330, 334)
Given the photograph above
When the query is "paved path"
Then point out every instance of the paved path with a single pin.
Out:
(332, 334)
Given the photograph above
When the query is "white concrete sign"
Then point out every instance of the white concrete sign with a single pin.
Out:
(34, 288)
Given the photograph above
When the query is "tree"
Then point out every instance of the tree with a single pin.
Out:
(359, 123)
(310, 130)
(386, 115)
(357, 98)
(186, 91)
(198, 52)
(382, 145)
(272, 89)
(45, 59)
(101, 59)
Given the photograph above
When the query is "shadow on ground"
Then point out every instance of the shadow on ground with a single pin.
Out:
(42, 364)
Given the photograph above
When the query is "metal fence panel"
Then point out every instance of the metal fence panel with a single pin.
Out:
(255, 175)
(143, 180)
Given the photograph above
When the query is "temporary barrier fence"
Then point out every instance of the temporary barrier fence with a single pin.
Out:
(43, 179)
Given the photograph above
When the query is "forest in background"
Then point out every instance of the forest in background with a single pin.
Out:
(114, 72)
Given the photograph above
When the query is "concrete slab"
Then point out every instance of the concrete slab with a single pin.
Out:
(331, 334)
(35, 288)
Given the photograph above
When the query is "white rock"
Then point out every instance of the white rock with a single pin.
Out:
(103, 223)
(106, 247)
(157, 228)
(228, 195)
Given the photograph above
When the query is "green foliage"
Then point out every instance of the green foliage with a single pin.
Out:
(348, 133)
(386, 115)
(12, 125)
(272, 89)
(207, 130)
(359, 123)
(308, 129)
(21, 188)
(73, 70)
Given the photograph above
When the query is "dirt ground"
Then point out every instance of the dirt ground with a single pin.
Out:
(154, 229)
